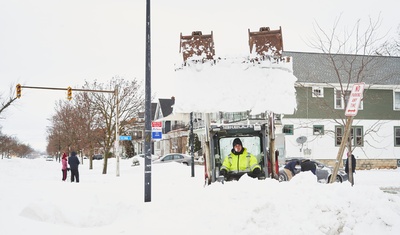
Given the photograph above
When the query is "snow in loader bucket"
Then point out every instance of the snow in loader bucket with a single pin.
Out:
(207, 83)
(256, 83)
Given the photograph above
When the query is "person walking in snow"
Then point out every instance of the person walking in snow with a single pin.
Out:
(307, 165)
(353, 163)
(353, 167)
(64, 166)
(290, 169)
(239, 162)
(74, 162)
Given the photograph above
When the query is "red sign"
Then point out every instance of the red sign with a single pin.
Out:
(354, 99)
(156, 126)
(156, 130)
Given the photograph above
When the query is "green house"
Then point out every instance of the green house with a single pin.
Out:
(322, 90)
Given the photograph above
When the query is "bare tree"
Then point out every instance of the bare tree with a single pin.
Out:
(10, 146)
(71, 128)
(392, 47)
(352, 56)
(89, 120)
(130, 102)
(90, 137)
(8, 101)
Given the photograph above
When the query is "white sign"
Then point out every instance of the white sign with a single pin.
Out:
(156, 126)
(354, 99)
(156, 130)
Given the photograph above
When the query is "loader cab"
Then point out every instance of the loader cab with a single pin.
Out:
(253, 137)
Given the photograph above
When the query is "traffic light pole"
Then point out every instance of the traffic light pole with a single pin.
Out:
(69, 90)
(117, 129)
(65, 89)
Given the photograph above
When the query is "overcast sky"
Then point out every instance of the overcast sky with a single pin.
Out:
(63, 43)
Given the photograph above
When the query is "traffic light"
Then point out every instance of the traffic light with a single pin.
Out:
(18, 89)
(69, 93)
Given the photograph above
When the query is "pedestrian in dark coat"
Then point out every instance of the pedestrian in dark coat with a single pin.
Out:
(353, 164)
(290, 169)
(74, 162)
(308, 165)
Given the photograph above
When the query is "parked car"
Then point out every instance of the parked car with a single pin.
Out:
(323, 172)
(49, 158)
(140, 157)
(175, 157)
(97, 156)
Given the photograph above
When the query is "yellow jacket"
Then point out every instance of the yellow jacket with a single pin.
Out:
(245, 162)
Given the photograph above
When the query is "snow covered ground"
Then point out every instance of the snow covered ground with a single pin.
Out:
(34, 200)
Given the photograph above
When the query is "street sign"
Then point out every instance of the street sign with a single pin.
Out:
(125, 137)
(156, 135)
(156, 130)
(354, 100)
(156, 125)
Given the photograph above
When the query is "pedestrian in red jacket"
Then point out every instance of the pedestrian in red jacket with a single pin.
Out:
(64, 166)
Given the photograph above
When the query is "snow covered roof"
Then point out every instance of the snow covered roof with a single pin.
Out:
(315, 67)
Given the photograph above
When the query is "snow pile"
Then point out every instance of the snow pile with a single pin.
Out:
(34, 200)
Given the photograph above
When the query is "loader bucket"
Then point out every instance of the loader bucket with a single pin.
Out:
(266, 42)
(197, 44)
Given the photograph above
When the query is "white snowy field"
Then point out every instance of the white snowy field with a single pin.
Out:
(34, 200)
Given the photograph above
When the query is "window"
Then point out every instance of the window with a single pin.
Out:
(356, 133)
(178, 157)
(168, 158)
(318, 130)
(317, 91)
(338, 135)
(397, 136)
(357, 136)
(288, 129)
(396, 100)
(340, 100)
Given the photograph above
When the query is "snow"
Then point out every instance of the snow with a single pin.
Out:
(34, 200)
(235, 85)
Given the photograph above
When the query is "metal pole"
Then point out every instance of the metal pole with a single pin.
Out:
(117, 129)
(147, 116)
(191, 140)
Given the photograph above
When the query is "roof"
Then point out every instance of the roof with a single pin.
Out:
(166, 106)
(316, 67)
(153, 111)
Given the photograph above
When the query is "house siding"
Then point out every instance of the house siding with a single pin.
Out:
(378, 144)
(377, 117)
(377, 104)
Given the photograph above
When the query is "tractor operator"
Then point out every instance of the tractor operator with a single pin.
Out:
(239, 162)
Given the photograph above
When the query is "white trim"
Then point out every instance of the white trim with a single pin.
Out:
(361, 107)
(319, 94)
(334, 85)
(394, 99)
